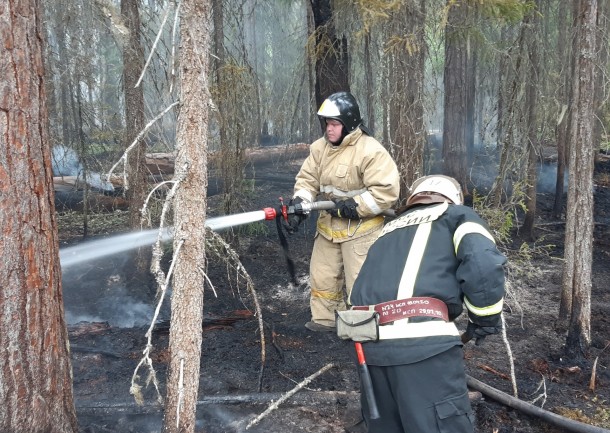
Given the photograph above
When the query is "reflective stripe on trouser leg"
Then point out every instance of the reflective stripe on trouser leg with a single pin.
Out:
(326, 277)
(354, 253)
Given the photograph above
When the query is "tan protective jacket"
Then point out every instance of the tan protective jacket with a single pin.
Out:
(361, 168)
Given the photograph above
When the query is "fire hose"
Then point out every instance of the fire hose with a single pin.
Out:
(302, 208)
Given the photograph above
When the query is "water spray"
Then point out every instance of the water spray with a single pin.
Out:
(96, 249)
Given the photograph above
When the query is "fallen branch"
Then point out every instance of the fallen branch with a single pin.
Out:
(496, 372)
(286, 396)
(303, 398)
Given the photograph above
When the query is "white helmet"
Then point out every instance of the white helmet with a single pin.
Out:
(426, 188)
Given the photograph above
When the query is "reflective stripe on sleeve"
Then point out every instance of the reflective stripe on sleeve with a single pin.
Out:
(485, 311)
(469, 228)
(368, 199)
(405, 329)
(329, 189)
(304, 194)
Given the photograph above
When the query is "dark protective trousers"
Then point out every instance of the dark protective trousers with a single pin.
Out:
(425, 397)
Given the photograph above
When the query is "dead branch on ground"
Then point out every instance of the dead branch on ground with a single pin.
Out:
(286, 396)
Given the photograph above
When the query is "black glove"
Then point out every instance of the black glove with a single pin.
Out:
(479, 332)
(345, 209)
(294, 219)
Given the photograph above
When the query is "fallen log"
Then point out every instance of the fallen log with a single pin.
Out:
(550, 417)
(302, 398)
(163, 163)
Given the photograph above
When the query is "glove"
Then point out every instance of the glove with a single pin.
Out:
(479, 332)
(345, 209)
(294, 220)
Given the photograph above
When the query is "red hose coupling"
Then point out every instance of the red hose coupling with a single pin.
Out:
(270, 213)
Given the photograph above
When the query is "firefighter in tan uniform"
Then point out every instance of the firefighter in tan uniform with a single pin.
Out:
(354, 170)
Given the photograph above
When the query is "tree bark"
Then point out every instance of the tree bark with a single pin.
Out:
(579, 220)
(332, 58)
(189, 219)
(532, 23)
(133, 64)
(35, 375)
(406, 80)
(564, 58)
(457, 58)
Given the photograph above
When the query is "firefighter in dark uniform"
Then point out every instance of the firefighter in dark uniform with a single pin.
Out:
(437, 256)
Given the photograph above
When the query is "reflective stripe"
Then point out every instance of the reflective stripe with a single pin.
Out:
(344, 233)
(485, 311)
(329, 189)
(304, 194)
(332, 296)
(368, 199)
(469, 228)
(404, 329)
(424, 215)
(416, 254)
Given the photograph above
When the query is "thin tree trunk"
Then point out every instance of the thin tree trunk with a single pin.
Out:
(137, 275)
(579, 221)
(133, 63)
(531, 106)
(369, 82)
(35, 374)
(565, 302)
(190, 209)
(565, 59)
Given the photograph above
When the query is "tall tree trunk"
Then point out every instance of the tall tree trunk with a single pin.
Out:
(136, 269)
(332, 57)
(457, 60)
(190, 209)
(133, 64)
(35, 375)
(531, 106)
(565, 59)
(314, 124)
(565, 302)
(406, 123)
(579, 220)
(601, 78)
(369, 82)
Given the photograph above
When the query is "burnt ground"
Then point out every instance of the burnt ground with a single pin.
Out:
(108, 322)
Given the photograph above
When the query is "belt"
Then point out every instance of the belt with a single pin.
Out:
(409, 307)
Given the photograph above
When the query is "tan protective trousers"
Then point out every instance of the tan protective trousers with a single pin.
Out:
(331, 265)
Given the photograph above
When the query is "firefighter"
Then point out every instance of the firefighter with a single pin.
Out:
(437, 256)
(348, 166)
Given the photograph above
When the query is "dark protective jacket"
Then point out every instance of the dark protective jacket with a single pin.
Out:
(442, 251)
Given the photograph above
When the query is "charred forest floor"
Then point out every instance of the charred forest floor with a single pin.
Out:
(108, 315)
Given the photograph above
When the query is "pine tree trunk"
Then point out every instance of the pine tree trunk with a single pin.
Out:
(190, 209)
(35, 375)
(456, 92)
(579, 221)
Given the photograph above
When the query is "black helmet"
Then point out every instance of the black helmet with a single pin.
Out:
(341, 106)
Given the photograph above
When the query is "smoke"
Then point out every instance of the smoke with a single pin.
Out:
(114, 306)
(547, 178)
(65, 162)
(96, 292)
